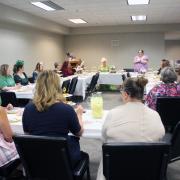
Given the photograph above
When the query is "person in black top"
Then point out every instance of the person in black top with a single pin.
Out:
(164, 63)
(20, 76)
(48, 115)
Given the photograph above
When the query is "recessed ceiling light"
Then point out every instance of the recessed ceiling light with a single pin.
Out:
(139, 18)
(78, 21)
(138, 2)
(47, 5)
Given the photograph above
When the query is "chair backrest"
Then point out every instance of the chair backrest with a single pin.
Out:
(65, 85)
(175, 144)
(72, 85)
(128, 74)
(8, 97)
(44, 157)
(128, 69)
(168, 109)
(31, 79)
(93, 82)
(142, 161)
(123, 77)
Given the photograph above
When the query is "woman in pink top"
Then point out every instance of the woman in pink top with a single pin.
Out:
(7, 148)
(141, 62)
(168, 87)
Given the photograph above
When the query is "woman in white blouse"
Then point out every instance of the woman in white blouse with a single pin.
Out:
(133, 121)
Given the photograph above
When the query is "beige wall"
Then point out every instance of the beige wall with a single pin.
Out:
(30, 45)
(173, 49)
(92, 47)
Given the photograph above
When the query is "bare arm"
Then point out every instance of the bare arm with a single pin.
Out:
(5, 126)
(17, 86)
(144, 60)
(79, 111)
(136, 59)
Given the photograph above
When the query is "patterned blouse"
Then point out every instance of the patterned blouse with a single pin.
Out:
(170, 89)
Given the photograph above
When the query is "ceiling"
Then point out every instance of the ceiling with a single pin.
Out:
(103, 12)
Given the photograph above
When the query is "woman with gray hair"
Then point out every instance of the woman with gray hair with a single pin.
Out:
(168, 87)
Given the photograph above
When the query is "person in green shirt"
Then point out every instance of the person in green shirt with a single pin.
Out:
(6, 80)
(104, 67)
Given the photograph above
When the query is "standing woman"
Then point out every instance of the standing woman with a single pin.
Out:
(19, 74)
(7, 148)
(38, 69)
(48, 115)
(141, 62)
(6, 80)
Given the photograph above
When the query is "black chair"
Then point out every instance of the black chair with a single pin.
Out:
(123, 77)
(128, 69)
(72, 85)
(48, 158)
(65, 86)
(92, 86)
(7, 169)
(128, 75)
(168, 109)
(141, 161)
(8, 97)
(30, 79)
(175, 145)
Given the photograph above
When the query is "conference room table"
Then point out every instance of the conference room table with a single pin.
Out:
(92, 126)
(26, 92)
(110, 78)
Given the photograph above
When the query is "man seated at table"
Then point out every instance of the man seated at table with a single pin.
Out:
(132, 121)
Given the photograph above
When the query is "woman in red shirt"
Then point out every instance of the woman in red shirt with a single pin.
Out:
(67, 69)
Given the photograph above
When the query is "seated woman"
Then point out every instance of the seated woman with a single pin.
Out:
(38, 69)
(6, 80)
(168, 87)
(67, 69)
(132, 121)
(104, 67)
(57, 68)
(7, 148)
(164, 63)
(80, 66)
(48, 115)
(19, 74)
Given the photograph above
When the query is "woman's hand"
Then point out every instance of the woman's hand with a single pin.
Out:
(9, 107)
(79, 110)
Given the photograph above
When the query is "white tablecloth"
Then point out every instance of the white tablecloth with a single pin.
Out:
(92, 126)
(83, 82)
(110, 78)
(26, 92)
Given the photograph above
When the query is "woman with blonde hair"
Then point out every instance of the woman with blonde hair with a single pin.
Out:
(48, 115)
